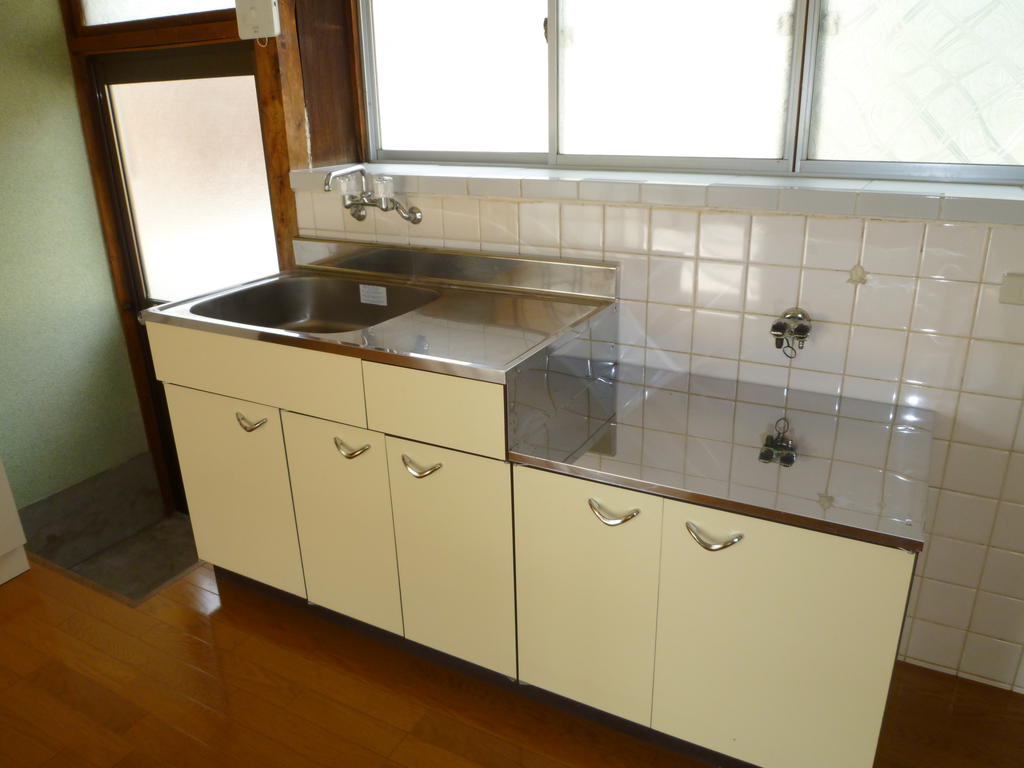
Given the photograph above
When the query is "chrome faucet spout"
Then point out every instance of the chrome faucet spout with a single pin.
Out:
(382, 196)
(342, 173)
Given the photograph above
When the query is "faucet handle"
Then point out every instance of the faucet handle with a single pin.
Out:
(383, 187)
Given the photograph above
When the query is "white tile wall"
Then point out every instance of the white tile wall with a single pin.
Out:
(626, 229)
(885, 301)
(994, 368)
(670, 280)
(583, 226)
(1004, 252)
(833, 243)
(892, 247)
(777, 240)
(700, 287)
(953, 251)
(674, 232)
(539, 225)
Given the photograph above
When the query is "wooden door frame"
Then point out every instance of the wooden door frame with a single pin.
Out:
(283, 124)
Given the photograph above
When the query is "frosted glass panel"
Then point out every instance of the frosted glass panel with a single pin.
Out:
(193, 158)
(113, 11)
(940, 81)
(461, 75)
(681, 79)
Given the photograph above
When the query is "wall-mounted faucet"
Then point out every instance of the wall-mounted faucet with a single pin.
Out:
(792, 325)
(382, 197)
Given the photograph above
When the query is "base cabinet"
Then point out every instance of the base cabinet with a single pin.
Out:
(762, 641)
(339, 477)
(587, 590)
(777, 650)
(236, 481)
(453, 532)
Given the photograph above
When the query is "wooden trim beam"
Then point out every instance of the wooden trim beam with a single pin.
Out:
(164, 37)
(159, 32)
(279, 89)
(328, 37)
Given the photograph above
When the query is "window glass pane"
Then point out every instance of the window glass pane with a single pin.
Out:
(193, 158)
(681, 79)
(461, 75)
(113, 11)
(940, 81)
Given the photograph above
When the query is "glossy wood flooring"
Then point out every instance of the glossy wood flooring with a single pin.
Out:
(208, 674)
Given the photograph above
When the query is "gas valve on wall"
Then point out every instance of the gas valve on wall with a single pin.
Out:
(778, 447)
(792, 325)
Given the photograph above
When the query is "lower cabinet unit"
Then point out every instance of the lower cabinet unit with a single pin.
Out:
(339, 477)
(587, 589)
(453, 531)
(236, 480)
(778, 649)
(763, 641)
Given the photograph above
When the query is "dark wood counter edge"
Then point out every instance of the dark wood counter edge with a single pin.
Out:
(727, 505)
(642, 732)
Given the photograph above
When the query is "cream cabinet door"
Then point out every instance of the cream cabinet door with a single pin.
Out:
(587, 590)
(343, 511)
(236, 481)
(776, 650)
(453, 530)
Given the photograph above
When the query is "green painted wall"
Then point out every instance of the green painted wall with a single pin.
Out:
(68, 409)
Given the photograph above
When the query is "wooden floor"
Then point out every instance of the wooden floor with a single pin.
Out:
(203, 674)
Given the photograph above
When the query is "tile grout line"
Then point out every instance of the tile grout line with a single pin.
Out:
(953, 432)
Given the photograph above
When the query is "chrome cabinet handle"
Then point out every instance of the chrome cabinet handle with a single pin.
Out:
(609, 518)
(247, 425)
(711, 546)
(415, 471)
(349, 453)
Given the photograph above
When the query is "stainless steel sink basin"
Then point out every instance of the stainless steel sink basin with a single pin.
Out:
(395, 261)
(315, 304)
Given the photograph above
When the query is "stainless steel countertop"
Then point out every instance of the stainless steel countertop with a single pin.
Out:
(492, 312)
(861, 468)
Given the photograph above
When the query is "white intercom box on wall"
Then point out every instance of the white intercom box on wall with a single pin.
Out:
(257, 18)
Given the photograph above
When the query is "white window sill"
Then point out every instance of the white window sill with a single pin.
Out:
(783, 194)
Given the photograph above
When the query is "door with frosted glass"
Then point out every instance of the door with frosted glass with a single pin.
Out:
(186, 162)
(184, 130)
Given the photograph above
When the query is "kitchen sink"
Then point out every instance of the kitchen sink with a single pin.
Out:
(395, 261)
(315, 304)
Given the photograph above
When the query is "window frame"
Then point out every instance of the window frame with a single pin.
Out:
(795, 161)
(879, 169)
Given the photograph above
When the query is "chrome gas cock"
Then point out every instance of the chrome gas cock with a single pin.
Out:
(778, 447)
(792, 325)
